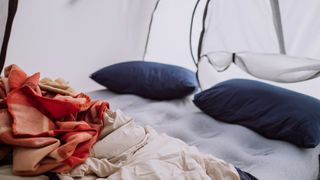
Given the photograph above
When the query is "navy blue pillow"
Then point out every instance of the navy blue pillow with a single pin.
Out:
(148, 79)
(272, 111)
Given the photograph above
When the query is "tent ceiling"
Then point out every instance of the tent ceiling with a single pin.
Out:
(57, 35)
(301, 25)
(72, 39)
(235, 26)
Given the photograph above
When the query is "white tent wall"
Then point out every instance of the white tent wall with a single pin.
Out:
(73, 38)
(301, 25)
(236, 26)
(245, 25)
(249, 25)
(169, 36)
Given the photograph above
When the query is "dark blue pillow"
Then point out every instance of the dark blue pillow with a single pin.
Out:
(148, 79)
(272, 111)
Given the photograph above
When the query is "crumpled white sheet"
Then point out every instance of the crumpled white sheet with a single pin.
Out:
(130, 151)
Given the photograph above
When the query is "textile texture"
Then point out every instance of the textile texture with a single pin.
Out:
(47, 131)
(143, 153)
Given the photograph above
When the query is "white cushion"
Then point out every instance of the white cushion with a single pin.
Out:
(209, 76)
(278, 67)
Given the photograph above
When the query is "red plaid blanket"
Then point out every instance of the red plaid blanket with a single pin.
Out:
(46, 133)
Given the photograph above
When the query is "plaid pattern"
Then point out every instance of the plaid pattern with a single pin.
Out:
(47, 132)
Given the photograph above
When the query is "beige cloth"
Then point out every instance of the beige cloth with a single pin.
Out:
(129, 151)
(58, 86)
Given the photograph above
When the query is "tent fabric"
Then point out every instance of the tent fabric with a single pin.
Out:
(278, 67)
(301, 24)
(266, 26)
(273, 67)
(175, 32)
(59, 34)
(149, 31)
(169, 36)
(240, 26)
(278, 24)
(52, 36)
(209, 77)
(257, 31)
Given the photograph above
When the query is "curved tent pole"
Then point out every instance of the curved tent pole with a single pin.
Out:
(205, 14)
(191, 32)
(149, 30)
(278, 24)
(12, 8)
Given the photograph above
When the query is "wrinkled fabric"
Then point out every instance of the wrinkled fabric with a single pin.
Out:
(47, 131)
(59, 86)
(130, 151)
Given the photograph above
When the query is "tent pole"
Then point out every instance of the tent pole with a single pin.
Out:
(12, 8)
(191, 33)
(149, 31)
(278, 24)
(205, 14)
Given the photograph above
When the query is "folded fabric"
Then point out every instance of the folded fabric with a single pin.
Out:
(278, 67)
(58, 86)
(47, 133)
(135, 152)
(209, 76)
(273, 67)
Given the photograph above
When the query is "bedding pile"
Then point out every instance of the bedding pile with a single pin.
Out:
(130, 151)
(50, 128)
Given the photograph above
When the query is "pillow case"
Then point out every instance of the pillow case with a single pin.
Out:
(272, 111)
(148, 79)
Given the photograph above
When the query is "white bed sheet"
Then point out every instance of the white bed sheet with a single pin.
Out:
(264, 158)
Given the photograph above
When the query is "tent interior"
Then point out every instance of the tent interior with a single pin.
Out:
(270, 45)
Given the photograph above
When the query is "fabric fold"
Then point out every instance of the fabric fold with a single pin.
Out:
(55, 131)
(131, 151)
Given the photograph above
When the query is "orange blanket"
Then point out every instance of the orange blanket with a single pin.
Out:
(46, 131)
